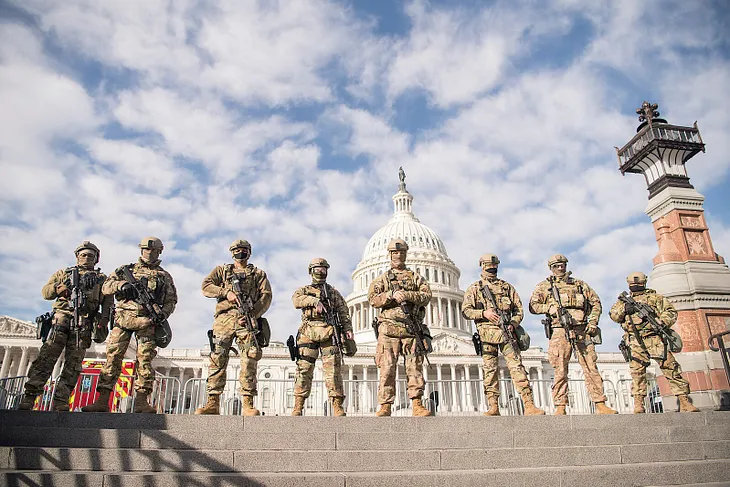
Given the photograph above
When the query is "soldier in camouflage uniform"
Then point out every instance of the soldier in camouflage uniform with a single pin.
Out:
(316, 336)
(131, 318)
(584, 307)
(95, 312)
(649, 345)
(229, 324)
(477, 307)
(393, 338)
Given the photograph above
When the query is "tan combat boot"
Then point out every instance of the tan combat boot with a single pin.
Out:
(418, 409)
(101, 405)
(601, 408)
(530, 408)
(384, 410)
(213, 406)
(61, 406)
(337, 406)
(560, 410)
(685, 406)
(639, 404)
(493, 402)
(27, 403)
(248, 409)
(298, 406)
(141, 404)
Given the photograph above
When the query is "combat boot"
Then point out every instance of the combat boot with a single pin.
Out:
(248, 409)
(337, 406)
(530, 408)
(101, 405)
(385, 410)
(601, 408)
(418, 409)
(141, 404)
(560, 410)
(27, 403)
(493, 402)
(212, 406)
(298, 406)
(685, 406)
(639, 404)
(61, 406)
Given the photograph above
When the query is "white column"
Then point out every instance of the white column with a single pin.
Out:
(440, 386)
(366, 391)
(441, 313)
(467, 379)
(22, 365)
(454, 399)
(181, 377)
(350, 400)
(429, 310)
(6, 362)
(540, 388)
(450, 314)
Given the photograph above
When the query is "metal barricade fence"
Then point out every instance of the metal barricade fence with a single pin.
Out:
(625, 400)
(11, 391)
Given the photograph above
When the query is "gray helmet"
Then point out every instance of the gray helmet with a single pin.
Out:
(397, 244)
(86, 245)
(557, 259)
(318, 262)
(491, 258)
(636, 278)
(240, 244)
(153, 243)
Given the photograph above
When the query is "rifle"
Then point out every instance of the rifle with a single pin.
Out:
(411, 326)
(332, 318)
(566, 321)
(504, 320)
(147, 301)
(78, 302)
(245, 307)
(646, 313)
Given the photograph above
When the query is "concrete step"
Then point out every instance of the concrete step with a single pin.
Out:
(639, 474)
(156, 460)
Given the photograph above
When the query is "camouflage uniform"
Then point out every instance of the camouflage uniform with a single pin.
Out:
(393, 338)
(316, 336)
(61, 336)
(132, 319)
(227, 324)
(583, 304)
(653, 345)
(493, 339)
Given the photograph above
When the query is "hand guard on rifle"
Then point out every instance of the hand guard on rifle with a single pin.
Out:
(128, 292)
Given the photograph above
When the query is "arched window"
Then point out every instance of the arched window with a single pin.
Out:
(428, 277)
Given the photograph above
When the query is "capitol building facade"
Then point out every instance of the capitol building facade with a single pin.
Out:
(453, 378)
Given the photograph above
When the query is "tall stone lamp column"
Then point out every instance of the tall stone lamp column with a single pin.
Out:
(686, 269)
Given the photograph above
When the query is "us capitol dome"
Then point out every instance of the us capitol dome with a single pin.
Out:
(427, 256)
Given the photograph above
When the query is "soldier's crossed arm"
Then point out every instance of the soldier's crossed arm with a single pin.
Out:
(170, 302)
(470, 308)
(667, 312)
(423, 295)
(618, 312)
(113, 283)
(303, 298)
(263, 303)
(595, 302)
(49, 290)
(539, 301)
(517, 312)
(378, 294)
(213, 285)
(342, 310)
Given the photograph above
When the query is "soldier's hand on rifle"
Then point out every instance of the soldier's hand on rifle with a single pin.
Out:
(320, 308)
(399, 296)
(629, 308)
(231, 296)
(348, 335)
(127, 291)
(491, 315)
(63, 291)
(591, 329)
(553, 310)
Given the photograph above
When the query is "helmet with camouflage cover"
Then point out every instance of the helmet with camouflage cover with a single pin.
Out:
(86, 245)
(557, 259)
(153, 243)
(489, 258)
(636, 278)
(240, 244)
(318, 262)
(397, 244)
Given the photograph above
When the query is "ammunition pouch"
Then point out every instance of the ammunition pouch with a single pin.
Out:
(264, 332)
(44, 323)
(674, 341)
(625, 350)
(523, 338)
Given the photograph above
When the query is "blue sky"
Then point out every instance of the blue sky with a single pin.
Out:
(285, 123)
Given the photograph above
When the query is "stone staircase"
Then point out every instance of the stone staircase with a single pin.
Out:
(125, 450)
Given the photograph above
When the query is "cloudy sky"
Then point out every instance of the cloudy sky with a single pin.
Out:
(285, 122)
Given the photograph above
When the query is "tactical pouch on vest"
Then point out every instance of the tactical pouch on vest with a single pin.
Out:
(523, 338)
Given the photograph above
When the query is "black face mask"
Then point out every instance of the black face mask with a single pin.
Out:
(242, 255)
(635, 288)
(491, 270)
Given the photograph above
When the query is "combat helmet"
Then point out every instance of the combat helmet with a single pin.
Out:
(636, 278)
(153, 243)
(397, 244)
(491, 258)
(90, 246)
(318, 262)
(240, 244)
(557, 259)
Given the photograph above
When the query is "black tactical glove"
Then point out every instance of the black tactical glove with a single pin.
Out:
(629, 308)
(127, 291)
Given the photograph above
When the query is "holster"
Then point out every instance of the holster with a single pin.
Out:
(547, 322)
(375, 328)
(44, 324)
(476, 339)
(291, 343)
(625, 350)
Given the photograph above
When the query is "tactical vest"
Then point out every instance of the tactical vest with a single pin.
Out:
(572, 298)
(249, 286)
(90, 282)
(152, 278)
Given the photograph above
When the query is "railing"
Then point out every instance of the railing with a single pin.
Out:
(724, 350)
(276, 397)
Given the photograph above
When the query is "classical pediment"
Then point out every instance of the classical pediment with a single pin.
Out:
(446, 344)
(11, 327)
